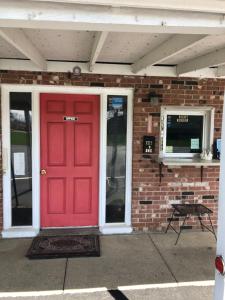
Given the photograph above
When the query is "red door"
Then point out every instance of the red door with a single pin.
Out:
(69, 160)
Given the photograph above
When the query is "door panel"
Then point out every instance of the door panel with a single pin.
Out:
(56, 133)
(70, 157)
(83, 136)
(56, 195)
(82, 190)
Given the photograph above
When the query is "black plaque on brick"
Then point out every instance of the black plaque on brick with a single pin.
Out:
(148, 144)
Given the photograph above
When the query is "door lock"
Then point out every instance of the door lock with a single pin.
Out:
(43, 172)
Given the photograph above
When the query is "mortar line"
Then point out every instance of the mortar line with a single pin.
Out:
(162, 257)
(65, 273)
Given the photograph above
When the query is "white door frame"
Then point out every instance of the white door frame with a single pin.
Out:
(30, 231)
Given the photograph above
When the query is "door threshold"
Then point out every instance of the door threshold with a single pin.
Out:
(69, 231)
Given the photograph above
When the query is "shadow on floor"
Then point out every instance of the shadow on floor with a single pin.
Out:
(117, 295)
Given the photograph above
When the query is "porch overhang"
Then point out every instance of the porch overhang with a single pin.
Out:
(162, 39)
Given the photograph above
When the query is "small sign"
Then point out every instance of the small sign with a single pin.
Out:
(19, 163)
(148, 144)
(182, 119)
(72, 119)
(218, 145)
(117, 102)
(169, 149)
(194, 144)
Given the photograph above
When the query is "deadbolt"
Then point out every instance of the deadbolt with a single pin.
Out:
(43, 172)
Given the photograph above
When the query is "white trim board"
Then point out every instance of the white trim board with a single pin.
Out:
(105, 69)
(192, 5)
(29, 231)
(30, 14)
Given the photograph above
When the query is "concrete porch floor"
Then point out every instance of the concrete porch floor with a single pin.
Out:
(126, 260)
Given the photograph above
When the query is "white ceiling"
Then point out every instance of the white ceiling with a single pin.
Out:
(129, 47)
(118, 48)
(7, 51)
(62, 45)
(207, 45)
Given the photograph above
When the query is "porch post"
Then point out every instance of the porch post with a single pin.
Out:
(219, 292)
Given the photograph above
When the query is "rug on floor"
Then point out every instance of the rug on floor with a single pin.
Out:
(64, 246)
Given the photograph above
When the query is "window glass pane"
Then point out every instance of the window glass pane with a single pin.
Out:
(21, 149)
(116, 158)
(184, 134)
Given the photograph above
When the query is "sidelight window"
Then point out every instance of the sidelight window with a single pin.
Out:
(116, 158)
(21, 158)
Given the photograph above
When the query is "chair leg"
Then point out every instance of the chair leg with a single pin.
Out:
(170, 221)
(180, 230)
(200, 220)
(213, 231)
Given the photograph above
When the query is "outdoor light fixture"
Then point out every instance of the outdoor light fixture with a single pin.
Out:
(154, 98)
(219, 263)
(76, 71)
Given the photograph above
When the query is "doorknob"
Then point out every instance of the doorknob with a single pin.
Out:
(43, 172)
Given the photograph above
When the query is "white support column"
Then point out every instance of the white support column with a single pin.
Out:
(219, 293)
(97, 47)
(19, 40)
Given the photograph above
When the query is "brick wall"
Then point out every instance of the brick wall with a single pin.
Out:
(151, 201)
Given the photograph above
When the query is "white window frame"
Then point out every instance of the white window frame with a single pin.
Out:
(208, 127)
(30, 231)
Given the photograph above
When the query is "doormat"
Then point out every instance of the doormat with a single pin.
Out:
(64, 246)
